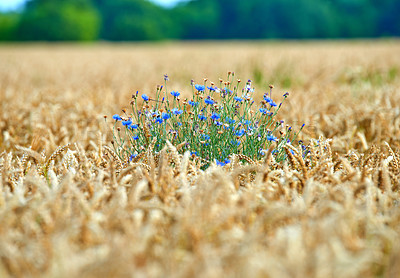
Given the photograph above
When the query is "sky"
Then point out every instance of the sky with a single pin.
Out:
(9, 5)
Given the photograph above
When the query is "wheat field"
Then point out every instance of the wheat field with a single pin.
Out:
(69, 207)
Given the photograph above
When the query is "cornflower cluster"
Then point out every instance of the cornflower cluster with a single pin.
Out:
(214, 123)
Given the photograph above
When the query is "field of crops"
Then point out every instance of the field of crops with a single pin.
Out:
(70, 207)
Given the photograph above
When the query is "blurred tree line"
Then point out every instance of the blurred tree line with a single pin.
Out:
(125, 20)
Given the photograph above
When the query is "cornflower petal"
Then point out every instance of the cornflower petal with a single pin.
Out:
(175, 94)
(202, 117)
(116, 117)
(126, 123)
(165, 116)
(199, 88)
(209, 101)
(145, 97)
(215, 116)
(272, 138)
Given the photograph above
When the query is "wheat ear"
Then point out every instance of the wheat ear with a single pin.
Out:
(54, 155)
(115, 158)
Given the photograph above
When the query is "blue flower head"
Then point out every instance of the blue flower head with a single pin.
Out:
(215, 116)
(135, 137)
(272, 138)
(235, 142)
(219, 163)
(176, 111)
(212, 89)
(133, 126)
(158, 120)
(269, 100)
(132, 157)
(200, 88)
(229, 120)
(175, 94)
(238, 99)
(145, 97)
(263, 110)
(116, 117)
(209, 101)
(240, 132)
(127, 123)
(192, 103)
(202, 117)
(165, 116)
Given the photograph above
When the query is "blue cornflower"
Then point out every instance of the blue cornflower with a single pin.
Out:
(269, 100)
(200, 88)
(211, 88)
(272, 138)
(132, 157)
(135, 137)
(175, 94)
(192, 103)
(133, 126)
(263, 110)
(165, 116)
(239, 99)
(116, 117)
(229, 120)
(235, 142)
(176, 111)
(145, 97)
(193, 153)
(209, 101)
(126, 123)
(215, 116)
(219, 163)
(202, 117)
(226, 161)
(227, 90)
(158, 120)
(179, 123)
(240, 132)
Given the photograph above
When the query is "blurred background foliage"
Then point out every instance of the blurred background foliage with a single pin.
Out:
(137, 20)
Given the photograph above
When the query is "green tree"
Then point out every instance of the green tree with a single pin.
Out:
(8, 26)
(135, 20)
(62, 20)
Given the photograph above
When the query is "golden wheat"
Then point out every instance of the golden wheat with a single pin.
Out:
(70, 207)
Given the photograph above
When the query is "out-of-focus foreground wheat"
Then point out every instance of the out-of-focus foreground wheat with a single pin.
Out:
(69, 208)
